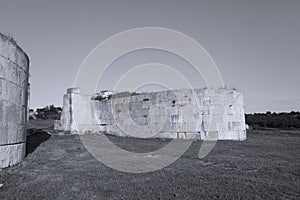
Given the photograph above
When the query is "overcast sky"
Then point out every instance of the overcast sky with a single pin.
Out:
(255, 44)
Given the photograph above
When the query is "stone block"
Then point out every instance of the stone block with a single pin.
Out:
(11, 154)
(169, 135)
(190, 135)
(73, 90)
(181, 135)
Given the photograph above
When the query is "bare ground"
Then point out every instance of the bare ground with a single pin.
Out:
(265, 166)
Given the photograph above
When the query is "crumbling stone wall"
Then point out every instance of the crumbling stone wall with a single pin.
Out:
(14, 66)
(215, 111)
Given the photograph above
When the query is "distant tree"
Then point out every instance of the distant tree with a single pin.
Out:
(274, 120)
(49, 112)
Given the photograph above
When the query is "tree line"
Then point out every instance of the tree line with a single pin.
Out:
(274, 120)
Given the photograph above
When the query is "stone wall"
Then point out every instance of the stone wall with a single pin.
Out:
(169, 114)
(14, 66)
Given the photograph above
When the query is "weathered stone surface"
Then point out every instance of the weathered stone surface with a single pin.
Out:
(11, 154)
(212, 114)
(14, 66)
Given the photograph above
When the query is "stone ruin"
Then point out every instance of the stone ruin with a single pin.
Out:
(218, 112)
(14, 73)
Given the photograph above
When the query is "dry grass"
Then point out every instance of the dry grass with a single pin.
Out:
(266, 166)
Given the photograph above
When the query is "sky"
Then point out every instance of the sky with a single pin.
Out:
(255, 43)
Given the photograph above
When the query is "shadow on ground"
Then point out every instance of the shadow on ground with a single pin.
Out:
(34, 139)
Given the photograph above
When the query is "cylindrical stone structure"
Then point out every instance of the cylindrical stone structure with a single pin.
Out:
(14, 74)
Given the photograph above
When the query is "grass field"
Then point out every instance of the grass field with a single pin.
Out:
(265, 166)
